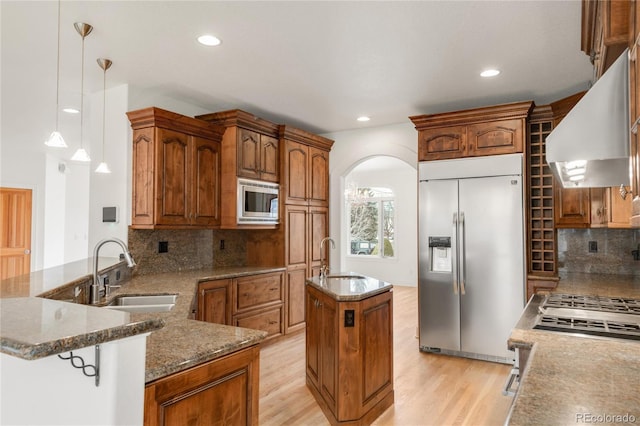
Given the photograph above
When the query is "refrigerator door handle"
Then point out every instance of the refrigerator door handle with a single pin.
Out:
(454, 256)
(462, 254)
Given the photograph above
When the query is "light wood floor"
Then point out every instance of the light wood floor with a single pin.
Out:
(429, 389)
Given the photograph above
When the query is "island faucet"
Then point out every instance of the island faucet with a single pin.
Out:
(323, 264)
(97, 289)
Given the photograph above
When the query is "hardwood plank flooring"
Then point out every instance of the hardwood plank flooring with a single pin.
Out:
(429, 389)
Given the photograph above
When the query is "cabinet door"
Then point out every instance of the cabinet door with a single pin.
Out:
(619, 208)
(214, 301)
(205, 200)
(248, 151)
(269, 159)
(172, 178)
(572, 207)
(318, 229)
(224, 391)
(296, 236)
(143, 177)
(599, 208)
(295, 299)
(442, 143)
(329, 351)
(296, 161)
(312, 340)
(268, 319)
(496, 137)
(318, 178)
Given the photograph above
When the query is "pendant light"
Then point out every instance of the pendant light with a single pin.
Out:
(56, 140)
(84, 30)
(105, 64)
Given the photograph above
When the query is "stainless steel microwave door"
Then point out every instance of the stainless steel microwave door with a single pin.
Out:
(438, 293)
(491, 262)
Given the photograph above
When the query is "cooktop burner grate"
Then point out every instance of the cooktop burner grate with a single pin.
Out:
(597, 327)
(594, 303)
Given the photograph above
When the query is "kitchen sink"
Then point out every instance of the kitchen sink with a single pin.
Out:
(143, 303)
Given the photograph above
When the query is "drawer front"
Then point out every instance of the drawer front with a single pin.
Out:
(269, 320)
(258, 290)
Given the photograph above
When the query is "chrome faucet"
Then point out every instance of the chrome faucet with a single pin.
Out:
(323, 265)
(97, 289)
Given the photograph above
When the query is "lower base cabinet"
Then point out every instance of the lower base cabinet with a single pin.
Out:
(224, 391)
(349, 356)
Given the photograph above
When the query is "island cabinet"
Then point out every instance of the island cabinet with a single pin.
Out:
(492, 130)
(349, 355)
(224, 391)
(176, 171)
(250, 149)
(253, 301)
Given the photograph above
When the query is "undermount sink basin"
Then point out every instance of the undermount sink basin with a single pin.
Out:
(346, 277)
(145, 303)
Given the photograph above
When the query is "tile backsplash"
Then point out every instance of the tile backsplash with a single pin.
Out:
(613, 254)
(187, 249)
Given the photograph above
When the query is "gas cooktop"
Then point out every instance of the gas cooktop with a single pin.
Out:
(590, 315)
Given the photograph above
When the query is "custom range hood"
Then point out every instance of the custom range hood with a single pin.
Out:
(590, 146)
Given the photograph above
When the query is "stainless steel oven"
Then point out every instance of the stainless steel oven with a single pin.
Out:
(257, 202)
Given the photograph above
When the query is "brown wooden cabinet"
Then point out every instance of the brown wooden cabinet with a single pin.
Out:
(252, 301)
(223, 391)
(618, 208)
(349, 369)
(176, 171)
(572, 207)
(250, 149)
(482, 131)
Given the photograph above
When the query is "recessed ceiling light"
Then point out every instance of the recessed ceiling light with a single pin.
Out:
(489, 73)
(70, 110)
(209, 40)
(363, 118)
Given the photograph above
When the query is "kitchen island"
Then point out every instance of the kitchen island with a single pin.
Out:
(570, 378)
(187, 348)
(349, 346)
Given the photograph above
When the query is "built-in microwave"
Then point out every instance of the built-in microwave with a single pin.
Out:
(257, 202)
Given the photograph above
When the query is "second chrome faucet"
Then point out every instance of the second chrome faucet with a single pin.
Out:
(323, 264)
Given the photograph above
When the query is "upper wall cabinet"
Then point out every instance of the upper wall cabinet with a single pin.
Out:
(492, 130)
(305, 177)
(176, 170)
(250, 149)
(605, 31)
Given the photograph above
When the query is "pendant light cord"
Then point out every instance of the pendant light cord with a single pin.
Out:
(82, 93)
(104, 107)
(58, 73)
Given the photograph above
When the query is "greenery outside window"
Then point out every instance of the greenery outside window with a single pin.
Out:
(371, 219)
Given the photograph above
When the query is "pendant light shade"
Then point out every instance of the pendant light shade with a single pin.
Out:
(84, 30)
(105, 64)
(56, 140)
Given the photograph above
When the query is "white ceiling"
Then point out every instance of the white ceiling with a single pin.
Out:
(315, 65)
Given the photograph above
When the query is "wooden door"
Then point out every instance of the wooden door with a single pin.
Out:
(205, 182)
(296, 279)
(496, 137)
(318, 229)
(312, 340)
(172, 178)
(329, 351)
(143, 207)
(295, 172)
(318, 179)
(296, 234)
(442, 143)
(15, 246)
(571, 207)
(619, 208)
(269, 159)
(214, 301)
(248, 147)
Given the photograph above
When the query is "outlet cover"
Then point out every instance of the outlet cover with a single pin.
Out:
(163, 247)
(593, 246)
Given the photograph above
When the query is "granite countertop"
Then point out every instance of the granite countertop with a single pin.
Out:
(182, 343)
(573, 379)
(185, 342)
(349, 286)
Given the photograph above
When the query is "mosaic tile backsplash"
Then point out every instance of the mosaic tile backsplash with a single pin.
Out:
(187, 249)
(613, 254)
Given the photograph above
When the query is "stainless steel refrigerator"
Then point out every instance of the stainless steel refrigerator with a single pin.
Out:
(471, 255)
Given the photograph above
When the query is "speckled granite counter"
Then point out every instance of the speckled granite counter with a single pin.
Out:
(349, 286)
(572, 379)
(180, 344)
(184, 342)
(34, 328)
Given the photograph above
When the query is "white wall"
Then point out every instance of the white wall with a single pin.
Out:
(353, 147)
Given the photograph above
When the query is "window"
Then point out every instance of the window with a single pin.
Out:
(371, 221)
